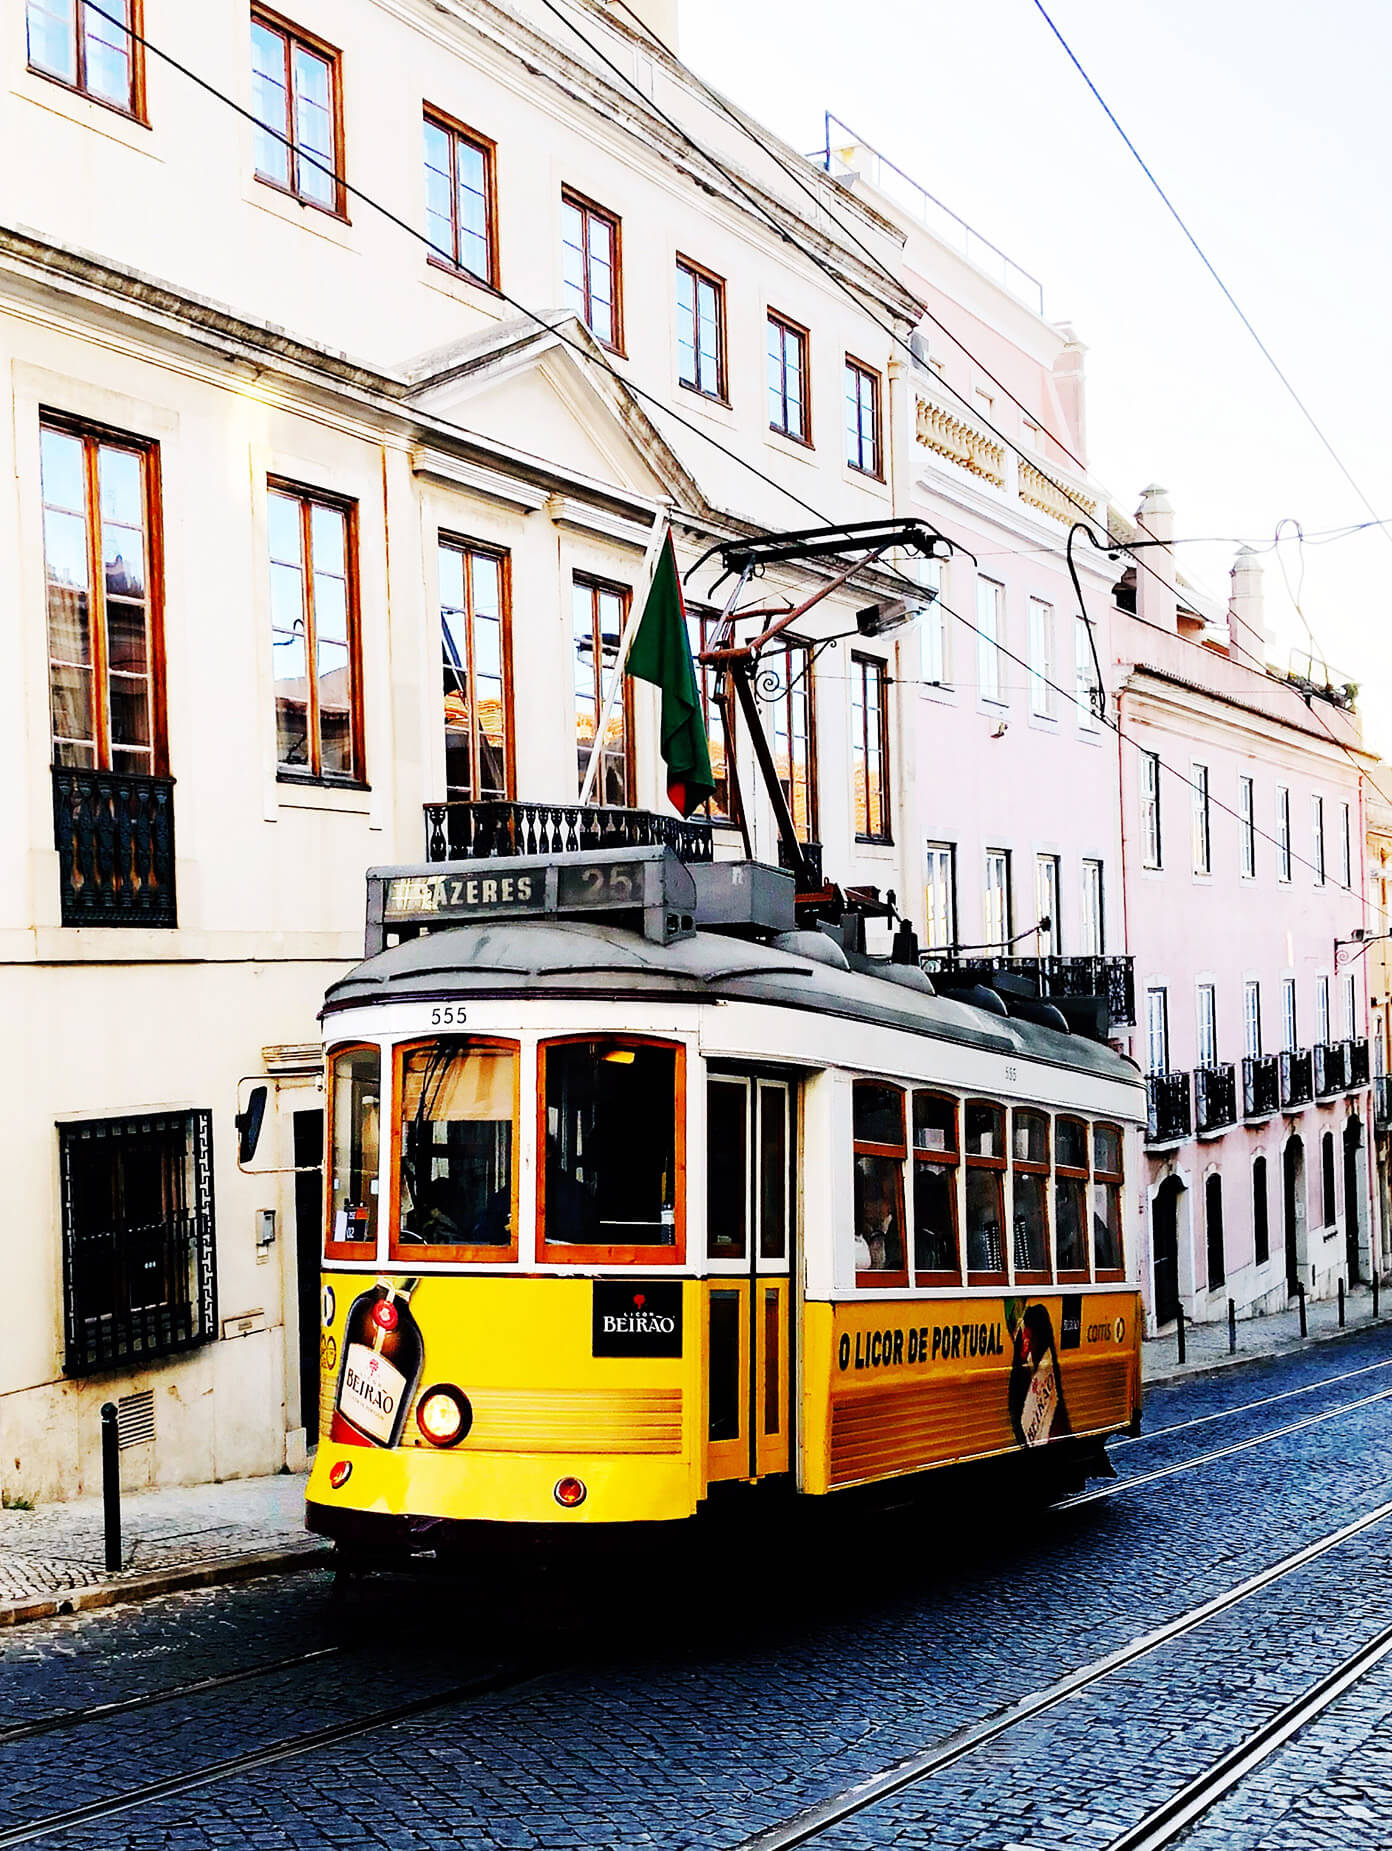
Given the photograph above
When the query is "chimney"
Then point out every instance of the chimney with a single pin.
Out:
(659, 16)
(1156, 601)
(1247, 636)
(1070, 384)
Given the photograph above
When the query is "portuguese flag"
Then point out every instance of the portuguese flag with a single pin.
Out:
(661, 653)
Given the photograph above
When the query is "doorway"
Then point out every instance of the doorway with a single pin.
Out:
(750, 1234)
(308, 1133)
(1353, 1233)
(1165, 1248)
(1293, 1206)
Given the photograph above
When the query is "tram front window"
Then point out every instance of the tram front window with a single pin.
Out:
(457, 1106)
(611, 1145)
(354, 1117)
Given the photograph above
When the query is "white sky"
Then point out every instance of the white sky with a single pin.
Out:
(1265, 121)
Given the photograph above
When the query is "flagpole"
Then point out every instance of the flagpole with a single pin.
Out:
(656, 540)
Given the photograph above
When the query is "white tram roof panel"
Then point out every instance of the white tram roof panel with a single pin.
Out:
(562, 958)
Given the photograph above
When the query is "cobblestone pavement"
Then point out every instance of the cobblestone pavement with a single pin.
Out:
(1206, 1345)
(60, 1547)
(720, 1680)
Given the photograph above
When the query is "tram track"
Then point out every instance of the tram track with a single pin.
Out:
(1245, 1407)
(812, 1821)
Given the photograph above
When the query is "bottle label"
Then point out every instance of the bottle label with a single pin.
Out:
(1041, 1402)
(371, 1393)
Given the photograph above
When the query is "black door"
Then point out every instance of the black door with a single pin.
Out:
(309, 1214)
(1165, 1225)
(1353, 1140)
(1292, 1167)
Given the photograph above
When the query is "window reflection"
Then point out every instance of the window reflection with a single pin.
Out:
(457, 1108)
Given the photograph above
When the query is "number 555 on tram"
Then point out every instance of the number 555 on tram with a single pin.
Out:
(635, 1190)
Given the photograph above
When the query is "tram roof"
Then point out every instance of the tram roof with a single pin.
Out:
(570, 959)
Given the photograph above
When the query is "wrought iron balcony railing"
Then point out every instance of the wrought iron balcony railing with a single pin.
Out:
(484, 831)
(1382, 1101)
(1111, 977)
(1330, 1064)
(115, 842)
(1297, 1077)
(1215, 1097)
(1168, 1097)
(1357, 1062)
(1261, 1085)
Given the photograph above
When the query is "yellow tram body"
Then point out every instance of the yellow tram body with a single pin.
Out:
(883, 1231)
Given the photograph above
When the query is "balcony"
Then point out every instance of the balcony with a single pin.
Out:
(1382, 1102)
(1330, 1075)
(1168, 1097)
(1297, 1078)
(115, 841)
(1357, 1063)
(1261, 1086)
(484, 831)
(1110, 978)
(1215, 1097)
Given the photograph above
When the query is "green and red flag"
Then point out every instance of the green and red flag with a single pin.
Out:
(661, 653)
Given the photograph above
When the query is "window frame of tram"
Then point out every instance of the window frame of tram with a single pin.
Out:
(357, 1196)
(550, 1251)
(451, 1099)
(879, 1159)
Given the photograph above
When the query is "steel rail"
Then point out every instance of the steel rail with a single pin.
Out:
(813, 1820)
(1246, 1407)
(499, 1679)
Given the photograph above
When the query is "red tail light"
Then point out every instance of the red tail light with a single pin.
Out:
(339, 1473)
(569, 1492)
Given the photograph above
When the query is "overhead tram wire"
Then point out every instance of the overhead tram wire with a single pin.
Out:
(597, 356)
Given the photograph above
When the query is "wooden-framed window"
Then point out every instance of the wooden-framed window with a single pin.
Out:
(592, 267)
(702, 627)
(998, 909)
(611, 1139)
(864, 451)
(1071, 1177)
(297, 100)
(476, 640)
(103, 578)
(460, 198)
(1030, 1166)
(353, 1146)
(315, 649)
(940, 911)
(870, 747)
(986, 1162)
(792, 725)
(936, 1246)
(881, 1152)
(455, 1159)
(790, 409)
(139, 1252)
(701, 330)
(598, 615)
(1107, 1179)
(93, 53)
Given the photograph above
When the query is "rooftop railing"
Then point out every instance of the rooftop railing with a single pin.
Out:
(485, 831)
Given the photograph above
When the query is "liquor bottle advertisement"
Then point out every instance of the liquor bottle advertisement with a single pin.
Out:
(383, 1355)
(1037, 1410)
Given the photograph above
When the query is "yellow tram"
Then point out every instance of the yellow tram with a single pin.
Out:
(634, 1189)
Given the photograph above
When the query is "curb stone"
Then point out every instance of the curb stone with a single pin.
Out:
(170, 1580)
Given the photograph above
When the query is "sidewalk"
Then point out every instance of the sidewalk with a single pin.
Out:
(51, 1559)
(1206, 1345)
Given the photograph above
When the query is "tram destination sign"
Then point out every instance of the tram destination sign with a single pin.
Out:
(650, 883)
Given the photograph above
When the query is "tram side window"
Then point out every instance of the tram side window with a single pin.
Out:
(935, 1152)
(727, 1172)
(458, 1101)
(355, 1119)
(1070, 1197)
(880, 1155)
(1030, 1157)
(1106, 1199)
(612, 1149)
(985, 1154)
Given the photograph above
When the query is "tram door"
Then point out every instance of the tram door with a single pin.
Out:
(750, 1220)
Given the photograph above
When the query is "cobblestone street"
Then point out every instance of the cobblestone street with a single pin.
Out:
(711, 1687)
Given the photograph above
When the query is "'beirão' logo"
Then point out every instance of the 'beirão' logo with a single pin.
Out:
(638, 1322)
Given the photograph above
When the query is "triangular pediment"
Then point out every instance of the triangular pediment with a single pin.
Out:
(549, 393)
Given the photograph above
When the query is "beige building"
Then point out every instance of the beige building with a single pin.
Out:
(341, 415)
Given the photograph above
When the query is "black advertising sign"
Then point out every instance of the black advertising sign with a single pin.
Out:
(1071, 1321)
(637, 1317)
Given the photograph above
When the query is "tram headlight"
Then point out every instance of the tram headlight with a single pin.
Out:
(444, 1415)
(568, 1492)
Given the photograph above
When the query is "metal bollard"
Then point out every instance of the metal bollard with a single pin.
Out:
(1300, 1292)
(1375, 1291)
(1232, 1327)
(111, 1486)
(1341, 1304)
(1179, 1331)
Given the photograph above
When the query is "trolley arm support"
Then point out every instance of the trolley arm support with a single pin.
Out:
(741, 674)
